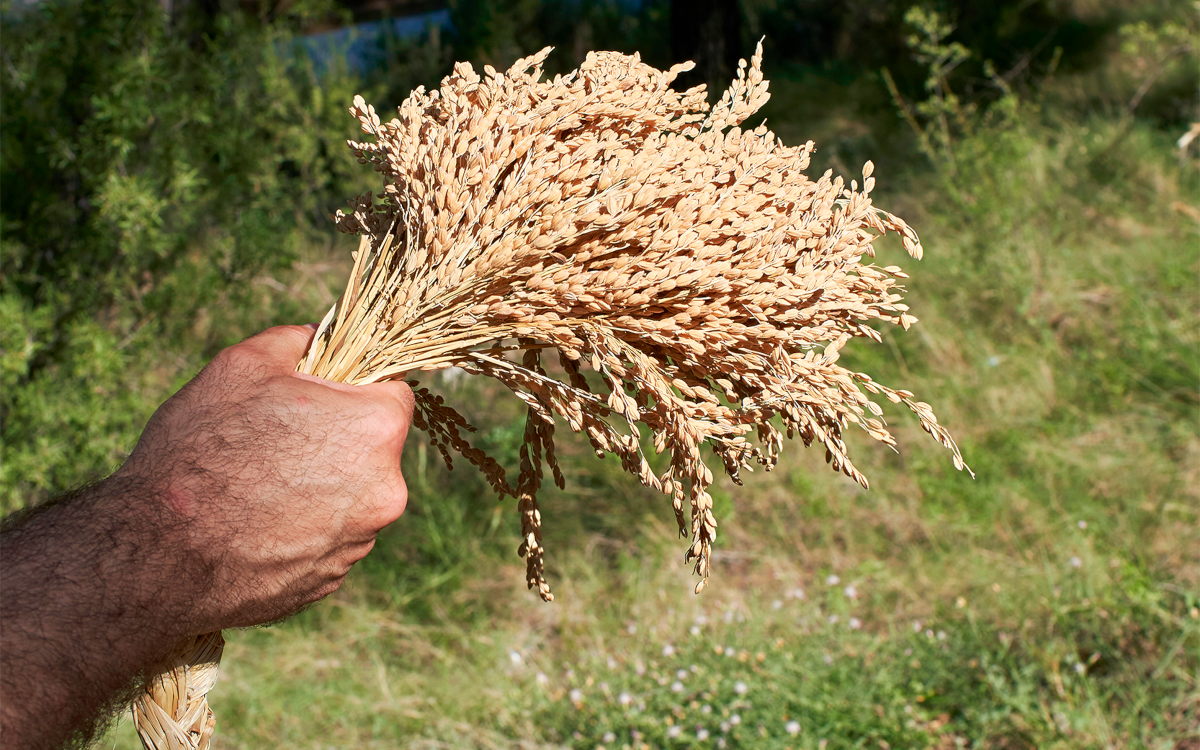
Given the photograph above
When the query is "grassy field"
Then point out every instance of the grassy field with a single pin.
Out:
(1051, 602)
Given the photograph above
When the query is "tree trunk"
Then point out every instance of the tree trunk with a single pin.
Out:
(708, 32)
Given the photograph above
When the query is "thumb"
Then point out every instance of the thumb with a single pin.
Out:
(281, 347)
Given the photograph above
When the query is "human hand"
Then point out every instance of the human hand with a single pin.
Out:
(249, 495)
(280, 481)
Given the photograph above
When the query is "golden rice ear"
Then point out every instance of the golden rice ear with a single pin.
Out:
(445, 426)
(694, 267)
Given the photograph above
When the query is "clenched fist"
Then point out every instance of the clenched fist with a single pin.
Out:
(250, 494)
(283, 479)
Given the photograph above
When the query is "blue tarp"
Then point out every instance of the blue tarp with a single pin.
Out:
(365, 44)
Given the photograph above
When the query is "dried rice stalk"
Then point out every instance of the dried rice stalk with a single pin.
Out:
(615, 225)
(626, 228)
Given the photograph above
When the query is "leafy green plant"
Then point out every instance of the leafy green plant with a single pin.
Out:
(152, 168)
(946, 116)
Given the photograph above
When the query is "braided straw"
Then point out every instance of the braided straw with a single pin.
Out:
(173, 712)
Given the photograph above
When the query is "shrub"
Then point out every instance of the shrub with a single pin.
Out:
(151, 168)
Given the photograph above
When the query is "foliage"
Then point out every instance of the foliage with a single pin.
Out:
(943, 107)
(789, 674)
(149, 175)
(1060, 331)
(1029, 183)
(1157, 54)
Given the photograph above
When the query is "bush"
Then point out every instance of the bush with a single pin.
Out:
(152, 167)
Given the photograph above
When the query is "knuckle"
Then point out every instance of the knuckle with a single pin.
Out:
(406, 398)
(328, 588)
(395, 396)
(235, 361)
(355, 552)
(390, 505)
(389, 431)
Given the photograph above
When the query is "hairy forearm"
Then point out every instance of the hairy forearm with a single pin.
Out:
(250, 494)
(94, 590)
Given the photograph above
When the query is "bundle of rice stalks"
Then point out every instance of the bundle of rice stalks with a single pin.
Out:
(613, 224)
(617, 253)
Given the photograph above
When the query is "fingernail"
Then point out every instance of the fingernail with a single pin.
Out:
(313, 326)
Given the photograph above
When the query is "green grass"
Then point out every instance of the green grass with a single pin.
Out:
(1051, 602)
